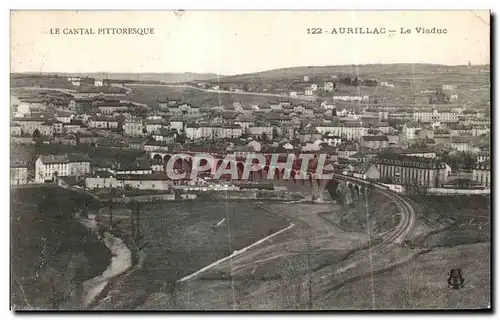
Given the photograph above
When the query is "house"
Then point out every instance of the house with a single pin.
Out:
(137, 143)
(75, 126)
(346, 151)
(194, 131)
(69, 140)
(112, 106)
(33, 126)
(260, 130)
(103, 123)
(255, 145)
(308, 92)
(18, 173)
(15, 129)
(154, 125)
(483, 156)
(331, 139)
(482, 173)
(411, 131)
(366, 171)
(177, 123)
(153, 181)
(133, 127)
(329, 86)
(49, 167)
(64, 117)
(375, 142)
(387, 84)
(245, 121)
(462, 144)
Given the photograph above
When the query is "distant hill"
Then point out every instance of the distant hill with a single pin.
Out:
(163, 77)
(365, 71)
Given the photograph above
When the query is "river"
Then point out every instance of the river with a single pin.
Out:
(183, 238)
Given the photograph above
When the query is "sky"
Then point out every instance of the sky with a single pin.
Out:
(237, 42)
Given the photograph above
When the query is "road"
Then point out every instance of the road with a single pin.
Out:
(307, 98)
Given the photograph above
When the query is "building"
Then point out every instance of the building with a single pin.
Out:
(112, 106)
(366, 171)
(435, 115)
(482, 173)
(133, 127)
(462, 144)
(259, 130)
(411, 170)
(411, 131)
(375, 142)
(103, 123)
(49, 167)
(15, 129)
(483, 156)
(194, 131)
(329, 86)
(34, 126)
(153, 181)
(18, 173)
(387, 84)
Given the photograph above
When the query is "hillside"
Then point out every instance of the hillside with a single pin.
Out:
(364, 71)
(163, 77)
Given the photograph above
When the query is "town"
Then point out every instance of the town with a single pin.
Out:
(89, 129)
(156, 175)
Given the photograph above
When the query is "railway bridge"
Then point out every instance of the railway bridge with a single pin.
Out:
(310, 172)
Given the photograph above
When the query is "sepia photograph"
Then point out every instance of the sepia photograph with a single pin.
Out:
(191, 160)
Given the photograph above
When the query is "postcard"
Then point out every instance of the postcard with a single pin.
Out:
(250, 160)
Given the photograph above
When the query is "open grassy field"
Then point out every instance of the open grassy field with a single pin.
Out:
(150, 94)
(183, 238)
(421, 283)
(49, 247)
(366, 71)
(471, 216)
(40, 81)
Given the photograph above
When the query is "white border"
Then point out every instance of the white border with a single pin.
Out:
(198, 5)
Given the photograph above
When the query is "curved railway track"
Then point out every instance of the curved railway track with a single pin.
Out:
(397, 234)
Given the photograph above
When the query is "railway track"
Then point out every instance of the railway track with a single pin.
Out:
(395, 236)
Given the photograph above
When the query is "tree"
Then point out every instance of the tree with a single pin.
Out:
(135, 215)
(264, 137)
(111, 195)
(181, 138)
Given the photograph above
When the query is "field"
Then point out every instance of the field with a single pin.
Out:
(471, 216)
(41, 81)
(183, 238)
(149, 95)
(375, 212)
(421, 283)
(49, 247)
